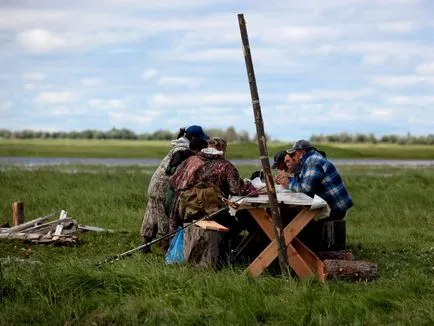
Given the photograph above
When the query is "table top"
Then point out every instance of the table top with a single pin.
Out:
(287, 198)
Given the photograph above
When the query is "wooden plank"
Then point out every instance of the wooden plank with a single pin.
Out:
(264, 220)
(40, 227)
(315, 264)
(59, 229)
(267, 256)
(30, 223)
(20, 236)
(63, 214)
(84, 228)
(211, 225)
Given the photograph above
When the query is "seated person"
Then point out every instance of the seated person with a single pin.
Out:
(313, 175)
(201, 182)
(195, 146)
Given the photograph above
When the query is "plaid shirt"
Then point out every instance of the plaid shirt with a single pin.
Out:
(316, 175)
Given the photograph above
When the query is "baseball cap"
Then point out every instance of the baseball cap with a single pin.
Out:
(196, 131)
(278, 158)
(301, 144)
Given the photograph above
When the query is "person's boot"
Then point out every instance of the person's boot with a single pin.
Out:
(146, 249)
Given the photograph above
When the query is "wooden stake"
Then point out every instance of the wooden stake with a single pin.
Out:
(17, 213)
(262, 143)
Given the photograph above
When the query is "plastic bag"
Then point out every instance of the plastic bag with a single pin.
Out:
(175, 254)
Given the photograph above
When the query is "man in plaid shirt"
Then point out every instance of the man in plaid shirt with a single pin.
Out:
(314, 174)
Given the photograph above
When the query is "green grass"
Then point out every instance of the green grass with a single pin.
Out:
(391, 224)
(158, 149)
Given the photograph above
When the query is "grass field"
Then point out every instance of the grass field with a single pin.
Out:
(391, 224)
(158, 149)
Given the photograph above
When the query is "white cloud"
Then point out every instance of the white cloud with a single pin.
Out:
(189, 82)
(382, 112)
(88, 82)
(107, 104)
(374, 59)
(417, 100)
(61, 110)
(398, 27)
(308, 33)
(47, 98)
(426, 68)
(127, 119)
(41, 40)
(29, 87)
(34, 76)
(149, 74)
(327, 95)
(5, 105)
(199, 99)
(402, 81)
(213, 55)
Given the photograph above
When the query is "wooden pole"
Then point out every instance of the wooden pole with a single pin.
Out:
(262, 143)
(17, 213)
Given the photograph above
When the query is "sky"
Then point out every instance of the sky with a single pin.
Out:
(356, 66)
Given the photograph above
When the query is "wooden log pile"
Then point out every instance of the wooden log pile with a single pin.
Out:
(61, 231)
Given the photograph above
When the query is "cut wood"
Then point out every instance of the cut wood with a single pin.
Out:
(17, 213)
(30, 223)
(63, 214)
(85, 228)
(337, 255)
(21, 236)
(58, 230)
(44, 228)
(355, 270)
(212, 225)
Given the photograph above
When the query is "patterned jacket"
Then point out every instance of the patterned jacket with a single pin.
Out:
(204, 171)
(316, 175)
(160, 180)
(210, 168)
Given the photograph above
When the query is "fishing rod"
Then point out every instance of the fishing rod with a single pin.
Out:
(170, 234)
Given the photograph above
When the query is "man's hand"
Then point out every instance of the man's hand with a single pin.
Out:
(281, 178)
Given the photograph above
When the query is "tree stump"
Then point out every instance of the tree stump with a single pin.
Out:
(355, 270)
(336, 255)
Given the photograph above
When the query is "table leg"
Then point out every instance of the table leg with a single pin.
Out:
(294, 259)
(290, 232)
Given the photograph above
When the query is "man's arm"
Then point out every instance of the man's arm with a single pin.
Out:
(309, 179)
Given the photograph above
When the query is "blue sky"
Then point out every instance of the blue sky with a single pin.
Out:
(321, 66)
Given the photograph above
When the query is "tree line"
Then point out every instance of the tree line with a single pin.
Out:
(230, 134)
(344, 137)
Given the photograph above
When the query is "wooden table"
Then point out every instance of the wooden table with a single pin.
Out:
(301, 259)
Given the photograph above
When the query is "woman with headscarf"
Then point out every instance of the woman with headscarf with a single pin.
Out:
(155, 221)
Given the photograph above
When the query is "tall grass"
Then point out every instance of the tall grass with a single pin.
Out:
(391, 224)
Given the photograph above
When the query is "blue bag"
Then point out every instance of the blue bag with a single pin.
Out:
(175, 254)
